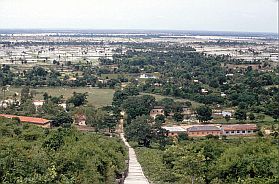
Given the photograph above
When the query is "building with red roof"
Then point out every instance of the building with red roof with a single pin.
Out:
(32, 120)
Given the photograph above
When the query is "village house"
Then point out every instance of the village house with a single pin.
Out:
(147, 76)
(204, 130)
(187, 112)
(229, 75)
(157, 84)
(63, 105)
(204, 91)
(124, 85)
(223, 94)
(223, 114)
(38, 103)
(32, 120)
(80, 120)
(239, 129)
(156, 111)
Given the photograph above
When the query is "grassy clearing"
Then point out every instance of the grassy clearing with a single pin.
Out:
(160, 97)
(266, 120)
(97, 97)
(115, 76)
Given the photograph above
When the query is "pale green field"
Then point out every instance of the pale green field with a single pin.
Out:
(97, 97)
(160, 97)
(266, 119)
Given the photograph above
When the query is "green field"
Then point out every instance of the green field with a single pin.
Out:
(266, 120)
(97, 97)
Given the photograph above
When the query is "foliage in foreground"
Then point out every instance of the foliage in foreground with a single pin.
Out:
(213, 162)
(30, 154)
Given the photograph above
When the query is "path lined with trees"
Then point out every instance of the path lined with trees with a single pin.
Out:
(135, 174)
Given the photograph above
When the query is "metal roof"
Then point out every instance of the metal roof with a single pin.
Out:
(203, 128)
(174, 129)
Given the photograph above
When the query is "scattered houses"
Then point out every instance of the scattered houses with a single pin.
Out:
(9, 102)
(39, 103)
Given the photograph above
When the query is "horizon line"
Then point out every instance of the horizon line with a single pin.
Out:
(136, 29)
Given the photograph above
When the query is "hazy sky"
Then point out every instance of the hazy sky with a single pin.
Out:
(215, 15)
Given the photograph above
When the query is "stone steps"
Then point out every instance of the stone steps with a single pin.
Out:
(135, 174)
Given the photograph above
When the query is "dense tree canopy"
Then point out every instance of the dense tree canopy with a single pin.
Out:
(30, 154)
(213, 162)
(204, 113)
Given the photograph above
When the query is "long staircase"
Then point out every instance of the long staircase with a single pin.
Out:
(135, 173)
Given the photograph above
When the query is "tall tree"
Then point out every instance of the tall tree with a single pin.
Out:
(240, 114)
(139, 130)
(78, 99)
(25, 94)
(204, 113)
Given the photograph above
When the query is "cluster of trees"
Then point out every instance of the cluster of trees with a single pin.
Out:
(102, 119)
(39, 76)
(29, 154)
(213, 162)
(183, 73)
(144, 131)
(139, 127)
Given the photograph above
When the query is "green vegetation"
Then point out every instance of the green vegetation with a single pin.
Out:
(29, 154)
(213, 161)
(187, 84)
(203, 78)
(204, 113)
(161, 97)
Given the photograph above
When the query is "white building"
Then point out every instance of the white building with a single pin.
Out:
(147, 76)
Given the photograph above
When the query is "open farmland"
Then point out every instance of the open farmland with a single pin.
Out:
(96, 97)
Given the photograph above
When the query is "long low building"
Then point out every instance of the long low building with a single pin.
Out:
(200, 131)
(213, 129)
(239, 129)
(32, 120)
